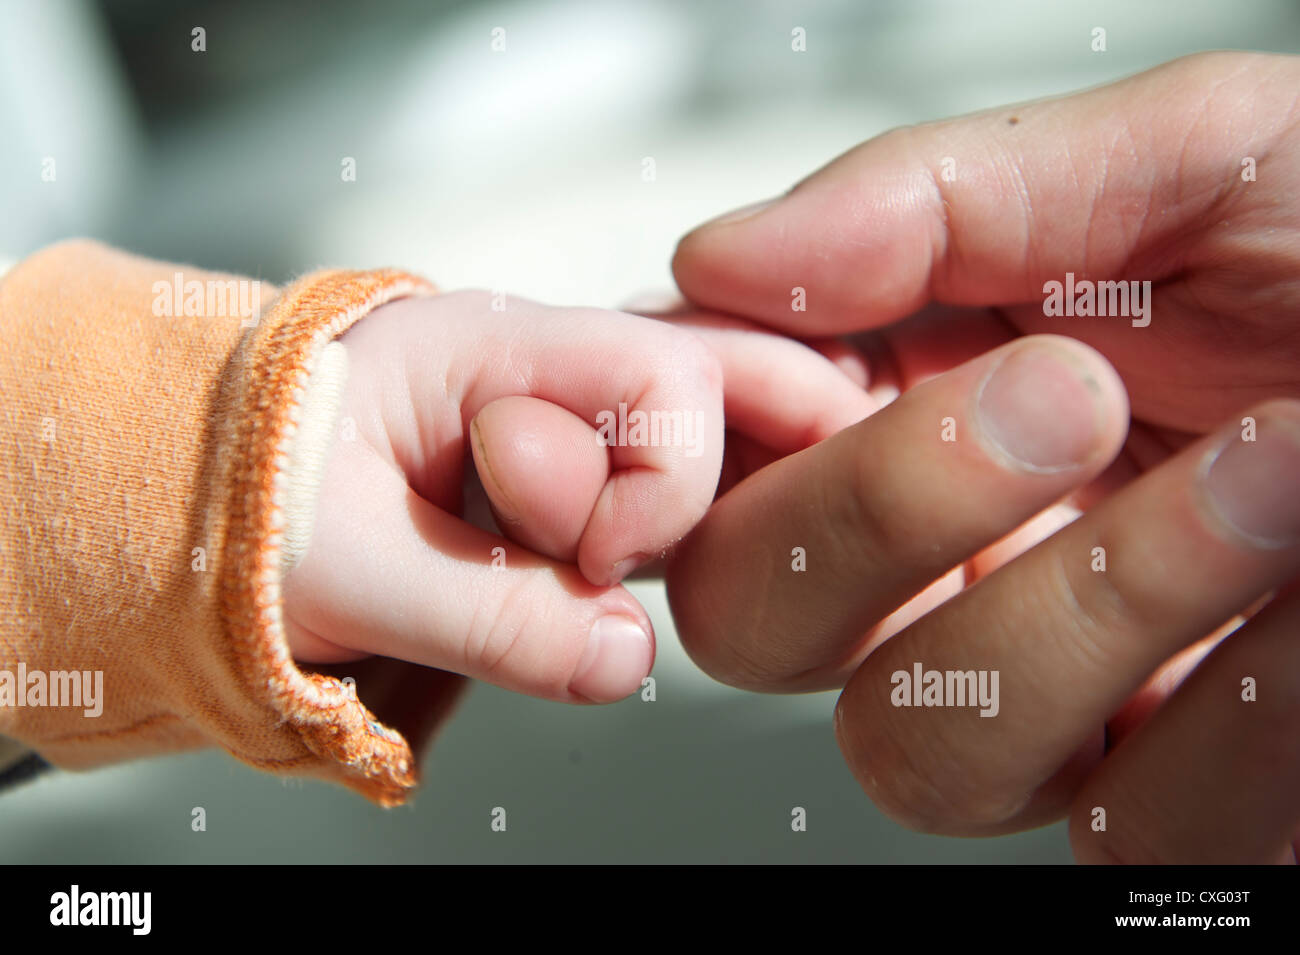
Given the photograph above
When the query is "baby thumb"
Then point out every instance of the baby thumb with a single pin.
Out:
(543, 469)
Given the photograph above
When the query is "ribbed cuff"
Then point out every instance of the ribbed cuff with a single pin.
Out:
(352, 744)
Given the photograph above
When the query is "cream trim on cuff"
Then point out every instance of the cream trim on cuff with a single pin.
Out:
(317, 427)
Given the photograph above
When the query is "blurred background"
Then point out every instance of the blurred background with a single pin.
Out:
(562, 165)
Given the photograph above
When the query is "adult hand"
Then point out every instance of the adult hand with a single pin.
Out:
(1184, 176)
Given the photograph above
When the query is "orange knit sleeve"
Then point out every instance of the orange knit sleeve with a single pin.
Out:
(147, 417)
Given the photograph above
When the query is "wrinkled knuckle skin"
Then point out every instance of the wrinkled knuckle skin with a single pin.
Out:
(921, 787)
(874, 510)
(698, 365)
(518, 639)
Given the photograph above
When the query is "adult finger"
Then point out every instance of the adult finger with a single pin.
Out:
(984, 209)
(1070, 630)
(1214, 775)
(780, 584)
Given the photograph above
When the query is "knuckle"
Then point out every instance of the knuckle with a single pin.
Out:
(875, 511)
(1102, 607)
(1093, 607)
(916, 778)
(514, 641)
(698, 364)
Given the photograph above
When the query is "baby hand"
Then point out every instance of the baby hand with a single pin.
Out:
(598, 438)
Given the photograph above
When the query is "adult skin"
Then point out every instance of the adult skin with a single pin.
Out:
(1185, 176)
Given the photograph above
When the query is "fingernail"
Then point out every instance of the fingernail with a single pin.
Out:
(616, 660)
(502, 507)
(1038, 408)
(739, 215)
(1251, 483)
(626, 566)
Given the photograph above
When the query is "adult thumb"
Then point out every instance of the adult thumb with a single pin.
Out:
(984, 209)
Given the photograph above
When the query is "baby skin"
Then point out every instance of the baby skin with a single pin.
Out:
(538, 399)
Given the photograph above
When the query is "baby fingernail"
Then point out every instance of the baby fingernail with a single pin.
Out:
(502, 507)
(1039, 409)
(617, 658)
(1251, 483)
